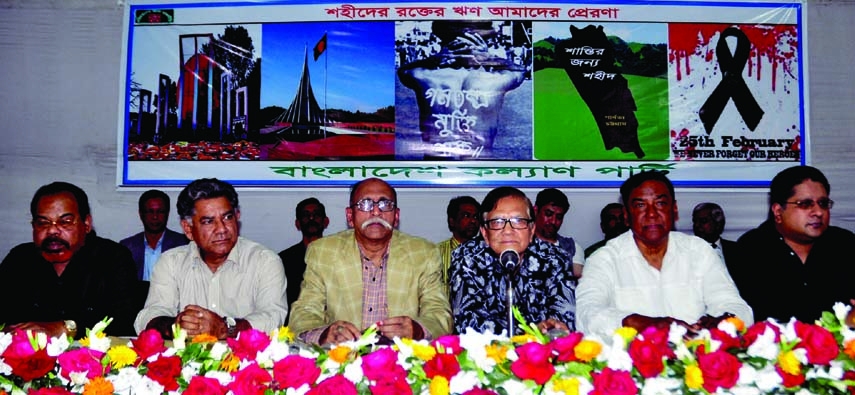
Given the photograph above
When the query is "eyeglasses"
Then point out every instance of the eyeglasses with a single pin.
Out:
(499, 223)
(807, 204)
(64, 223)
(367, 205)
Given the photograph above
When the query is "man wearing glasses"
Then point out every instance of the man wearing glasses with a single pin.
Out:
(68, 278)
(371, 274)
(803, 263)
(508, 255)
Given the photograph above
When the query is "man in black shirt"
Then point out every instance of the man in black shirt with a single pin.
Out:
(67, 279)
(311, 221)
(795, 264)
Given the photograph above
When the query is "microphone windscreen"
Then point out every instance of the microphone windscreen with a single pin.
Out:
(509, 258)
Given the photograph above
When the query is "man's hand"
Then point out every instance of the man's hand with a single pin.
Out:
(51, 329)
(401, 326)
(196, 320)
(340, 331)
(709, 322)
(552, 324)
(642, 322)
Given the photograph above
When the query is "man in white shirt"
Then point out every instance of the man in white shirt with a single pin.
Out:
(653, 276)
(220, 283)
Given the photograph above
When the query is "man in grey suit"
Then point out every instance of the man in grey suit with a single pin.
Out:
(155, 238)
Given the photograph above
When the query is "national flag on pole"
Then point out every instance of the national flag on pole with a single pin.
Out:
(321, 46)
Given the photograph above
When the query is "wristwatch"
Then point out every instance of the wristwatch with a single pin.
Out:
(71, 328)
(231, 326)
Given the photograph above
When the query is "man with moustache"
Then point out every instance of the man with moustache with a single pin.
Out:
(371, 274)
(801, 259)
(220, 283)
(542, 279)
(311, 221)
(462, 217)
(67, 279)
(652, 275)
(550, 206)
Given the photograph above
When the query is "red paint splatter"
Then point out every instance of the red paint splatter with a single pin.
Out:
(777, 43)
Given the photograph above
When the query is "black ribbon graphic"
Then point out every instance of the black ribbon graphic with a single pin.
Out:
(732, 85)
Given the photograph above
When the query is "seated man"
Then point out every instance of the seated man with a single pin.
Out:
(220, 283)
(542, 279)
(550, 207)
(68, 278)
(370, 274)
(462, 217)
(612, 223)
(653, 276)
(802, 261)
(311, 221)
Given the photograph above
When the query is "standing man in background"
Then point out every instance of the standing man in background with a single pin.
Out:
(311, 221)
(612, 223)
(549, 209)
(708, 224)
(155, 238)
(462, 213)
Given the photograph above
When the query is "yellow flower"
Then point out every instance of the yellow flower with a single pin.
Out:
(522, 339)
(789, 363)
(569, 386)
(439, 386)
(98, 386)
(285, 334)
(587, 350)
(230, 363)
(121, 356)
(340, 354)
(497, 352)
(204, 338)
(694, 377)
(849, 348)
(739, 324)
(424, 352)
(627, 333)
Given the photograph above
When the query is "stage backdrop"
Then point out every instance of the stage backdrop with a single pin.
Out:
(462, 94)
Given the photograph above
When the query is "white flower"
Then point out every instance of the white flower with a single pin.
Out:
(5, 369)
(616, 356)
(302, 390)
(788, 332)
(517, 387)
(125, 381)
(728, 327)
(804, 391)
(179, 339)
(676, 333)
(841, 310)
(833, 372)
(744, 390)
(5, 341)
(99, 342)
(353, 371)
(660, 386)
(218, 350)
(463, 381)
(78, 378)
(190, 370)
(476, 346)
(766, 379)
(57, 346)
(147, 386)
(764, 346)
(223, 377)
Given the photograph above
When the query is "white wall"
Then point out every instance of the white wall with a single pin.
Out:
(59, 77)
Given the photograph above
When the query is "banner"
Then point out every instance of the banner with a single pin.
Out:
(483, 94)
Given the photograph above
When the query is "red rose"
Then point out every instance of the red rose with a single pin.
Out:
(646, 357)
(659, 338)
(165, 370)
(819, 343)
(719, 369)
(248, 343)
(563, 347)
(293, 371)
(613, 382)
(754, 331)
(382, 363)
(790, 380)
(200, 385)
(444, 365)
(147, 344)
(251, 380)
(479, 391)
(448, 343)
(49, 391)
(727, 341)
(335, 385)
(533, 363)
(26, 362)
(82, 360)
(391, 385)
(850, 375)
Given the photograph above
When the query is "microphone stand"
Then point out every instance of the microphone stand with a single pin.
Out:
(510, 305)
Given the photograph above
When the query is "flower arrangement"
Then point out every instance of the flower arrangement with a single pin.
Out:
(766, 358)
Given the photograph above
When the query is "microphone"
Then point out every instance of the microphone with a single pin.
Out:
(510, 259)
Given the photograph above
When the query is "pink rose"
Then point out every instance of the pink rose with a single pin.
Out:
(563, 347)
(790, 380)
(294, 371)
(533, 363)
(382, 363)
(248, 343)
(147, 344)
(49, 391)
(646, 357)
(819, 343)
(82, 360)
(613, 382)
(448, 343)
(659, 338)
(391, 385)
(719, 369)
(335, 385)
(479, 391)
(26, 362)
(251, 380)
(200, 385)
(444, 365)
(165, 370)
